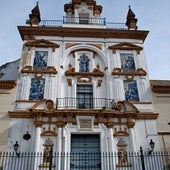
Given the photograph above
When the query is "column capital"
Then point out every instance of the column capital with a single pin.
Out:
(38, 120)
(130, 122)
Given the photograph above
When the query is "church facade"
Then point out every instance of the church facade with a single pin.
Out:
(83, 86)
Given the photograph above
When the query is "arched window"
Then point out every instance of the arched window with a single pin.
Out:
(84, 63)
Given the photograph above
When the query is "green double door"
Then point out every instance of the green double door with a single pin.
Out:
(85, 152)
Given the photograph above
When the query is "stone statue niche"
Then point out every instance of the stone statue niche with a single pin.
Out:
(46, 153)
(122, 154)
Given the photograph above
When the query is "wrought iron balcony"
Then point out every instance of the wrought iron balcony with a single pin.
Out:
(84, 103)
(82, 21)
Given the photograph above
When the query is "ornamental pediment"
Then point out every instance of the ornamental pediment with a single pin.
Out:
(47, 70)
(95, 73)
(43, 105)
(126, 107)
(129, 75)
(125, 46)
(42, 44)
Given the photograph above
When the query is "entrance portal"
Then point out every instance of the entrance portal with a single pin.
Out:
(85, 152)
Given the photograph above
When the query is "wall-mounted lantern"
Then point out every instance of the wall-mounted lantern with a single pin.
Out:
(152, 146)
(16, 148)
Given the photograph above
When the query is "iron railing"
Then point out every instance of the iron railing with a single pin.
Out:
(83, 21)
(85, 161)
(84, 103)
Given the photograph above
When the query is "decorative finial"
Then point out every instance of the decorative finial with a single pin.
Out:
(37, 2)
(34, 17)
(131, 20)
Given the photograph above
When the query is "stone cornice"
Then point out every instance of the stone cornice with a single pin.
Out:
(60, 117)
(147, 115)
(82, 112)
(28, 33)
(160, 86)
(160, 89)
(66, 116)
(120, 71)
(93, 74)
(47, 70)
(140, 102)
(126, 46)
(163, 133)
(42, 44)
(7, 84)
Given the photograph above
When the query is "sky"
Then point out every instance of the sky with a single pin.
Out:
(152, 15)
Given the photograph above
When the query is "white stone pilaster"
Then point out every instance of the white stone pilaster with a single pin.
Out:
(111, 143)
(119, 95)
(37, 145)
(142, 91)
(59, 147)
(24, 88)
(132, 140)
(50, 87)
(51, 57)
(37, 139)
(47, 88)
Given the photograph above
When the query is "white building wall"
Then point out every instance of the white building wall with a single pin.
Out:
(56, 86)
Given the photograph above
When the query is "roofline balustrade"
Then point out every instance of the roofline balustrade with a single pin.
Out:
(81, 21)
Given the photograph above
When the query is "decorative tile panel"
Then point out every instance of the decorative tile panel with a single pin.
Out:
(131, 90)
(37, 89)
(127, 62)
(40, 59)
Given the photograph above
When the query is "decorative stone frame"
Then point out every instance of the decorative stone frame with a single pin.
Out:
(94, 70)
(127, 48)
(85, 122)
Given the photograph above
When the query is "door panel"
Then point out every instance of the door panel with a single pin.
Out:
(85, 152)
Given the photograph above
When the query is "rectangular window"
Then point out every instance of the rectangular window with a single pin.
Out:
(127, 62)
(84, 96)
(40, 59)
(83, 18)
(37, 89)
(131, 90)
